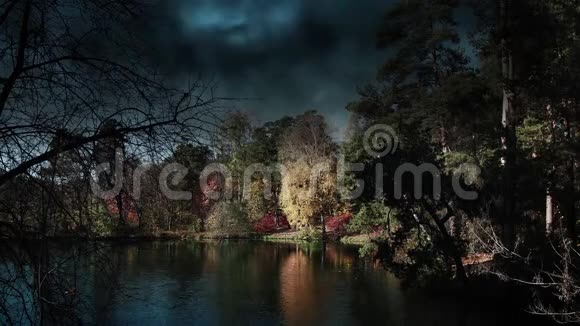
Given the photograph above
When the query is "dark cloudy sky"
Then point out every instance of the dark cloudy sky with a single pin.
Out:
(284, 56)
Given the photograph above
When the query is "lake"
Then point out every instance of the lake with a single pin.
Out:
(252, 283)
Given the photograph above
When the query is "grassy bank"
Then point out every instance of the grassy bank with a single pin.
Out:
(285, 236)
(358, 239)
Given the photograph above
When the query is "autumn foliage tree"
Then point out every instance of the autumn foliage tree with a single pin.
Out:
(307, 154)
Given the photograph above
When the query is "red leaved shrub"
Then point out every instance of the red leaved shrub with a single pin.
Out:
(267, 224)
(129, 208)
(201, 203)
(337, 224)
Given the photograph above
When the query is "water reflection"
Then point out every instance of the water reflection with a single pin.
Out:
(299, 296)
(251, 283)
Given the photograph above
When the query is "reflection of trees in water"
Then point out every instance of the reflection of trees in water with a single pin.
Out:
(337, 256)
(69, 283)
(215, 283)
(373, 293)
(299, 298)
(48, 282)
(241, 277)
(333, 284)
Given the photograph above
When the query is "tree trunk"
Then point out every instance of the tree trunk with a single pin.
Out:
(323, 227)
(549, 211)
(443, 139)
(508, 139)
(571, 214)
(571, 188)
(451, 248)
(119, 200)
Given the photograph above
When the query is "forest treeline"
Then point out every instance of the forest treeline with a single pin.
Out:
(500, 94)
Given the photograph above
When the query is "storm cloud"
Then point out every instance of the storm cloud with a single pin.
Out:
(281, 57)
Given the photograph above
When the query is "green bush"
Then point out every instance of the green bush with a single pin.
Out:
(228, 217)
(196, 224)
(371, 217)
(101, 224)
(310, 233)
(257, 206)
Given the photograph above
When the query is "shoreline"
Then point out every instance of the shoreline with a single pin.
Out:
(280, 237)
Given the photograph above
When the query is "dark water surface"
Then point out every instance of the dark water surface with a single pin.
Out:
(257, 283)
(250, 283)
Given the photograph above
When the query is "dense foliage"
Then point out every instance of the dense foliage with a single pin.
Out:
(492, 111)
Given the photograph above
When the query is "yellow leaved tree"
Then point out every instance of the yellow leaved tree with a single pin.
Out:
(307, 153)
